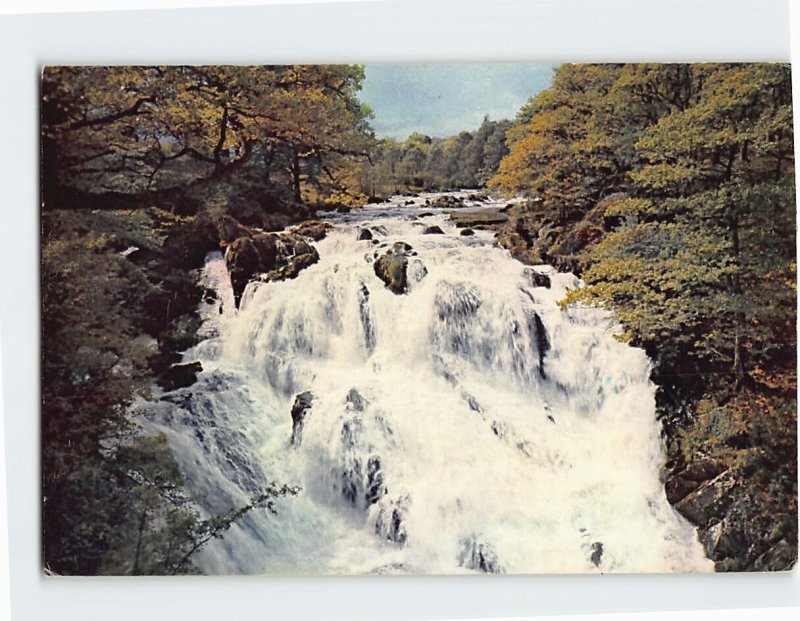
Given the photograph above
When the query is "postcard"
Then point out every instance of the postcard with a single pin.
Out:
(418, 319)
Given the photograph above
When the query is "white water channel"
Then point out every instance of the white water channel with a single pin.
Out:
(468, 425)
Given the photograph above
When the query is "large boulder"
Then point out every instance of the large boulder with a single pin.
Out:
(488, 217)
(268, 256)
(708, 501)
(391, 267)
(447, 201)
(313, 229)
(249, 256)
(537, 279)
(433, 230)
(180, 376)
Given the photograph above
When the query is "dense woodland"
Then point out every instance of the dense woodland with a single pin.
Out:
(669, 188)
(422, 163)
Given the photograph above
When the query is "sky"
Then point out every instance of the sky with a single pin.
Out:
(444, 99)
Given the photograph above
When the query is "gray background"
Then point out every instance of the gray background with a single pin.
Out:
(506, 30)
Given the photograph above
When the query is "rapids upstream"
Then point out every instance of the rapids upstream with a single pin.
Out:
(468, 425)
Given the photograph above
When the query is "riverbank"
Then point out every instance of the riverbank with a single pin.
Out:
(731, 452)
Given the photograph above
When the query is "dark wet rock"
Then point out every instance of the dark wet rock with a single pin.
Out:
(542, 342)
(375, 487)
(209, 296)
(780, 557)
(163, 360)
(365, 315)
(426, 214)
(678, 487)
(364, 234)
(300, 411)
(499, 429)
(736, 531)
(379, 229)
(182, 332)
(391, 267)
(433, 230)
(295, 256)
(270, 256)
(597, 553)
(173, 297)
(180, 376)
(537, 279)
(376, 200)
(187, 244)
(473, 218)
(447, 201)
(707, 501)
(702, 469)
(473, 403)
(479, 556)
(390, 519)
(355, 401)
(467, 232)
(249, 256)
(313, 229)
(723, 540)
(409, 202)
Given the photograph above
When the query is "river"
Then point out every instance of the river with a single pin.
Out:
(468, 425)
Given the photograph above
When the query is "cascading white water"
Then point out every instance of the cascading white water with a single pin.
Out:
(468, 425)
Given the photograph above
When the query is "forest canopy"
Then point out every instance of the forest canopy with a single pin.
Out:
(127, 129)
(676, 182)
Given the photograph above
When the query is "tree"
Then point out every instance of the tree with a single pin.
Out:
(139, 128)
(705, 257)
(559, 153)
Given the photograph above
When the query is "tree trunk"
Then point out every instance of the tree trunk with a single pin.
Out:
(296, 177)
(223, 132)
(739, 370)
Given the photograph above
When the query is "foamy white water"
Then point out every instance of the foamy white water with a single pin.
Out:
(468, 425)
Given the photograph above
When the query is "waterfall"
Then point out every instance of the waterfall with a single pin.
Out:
(467, 425)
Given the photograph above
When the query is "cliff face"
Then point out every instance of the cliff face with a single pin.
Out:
(731, 450)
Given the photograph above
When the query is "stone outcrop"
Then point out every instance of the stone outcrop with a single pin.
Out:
(486, 217)
(446, 201)
(300, 411)
(313, 229)
(180, 376)
(391, 267)
(270, 256)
